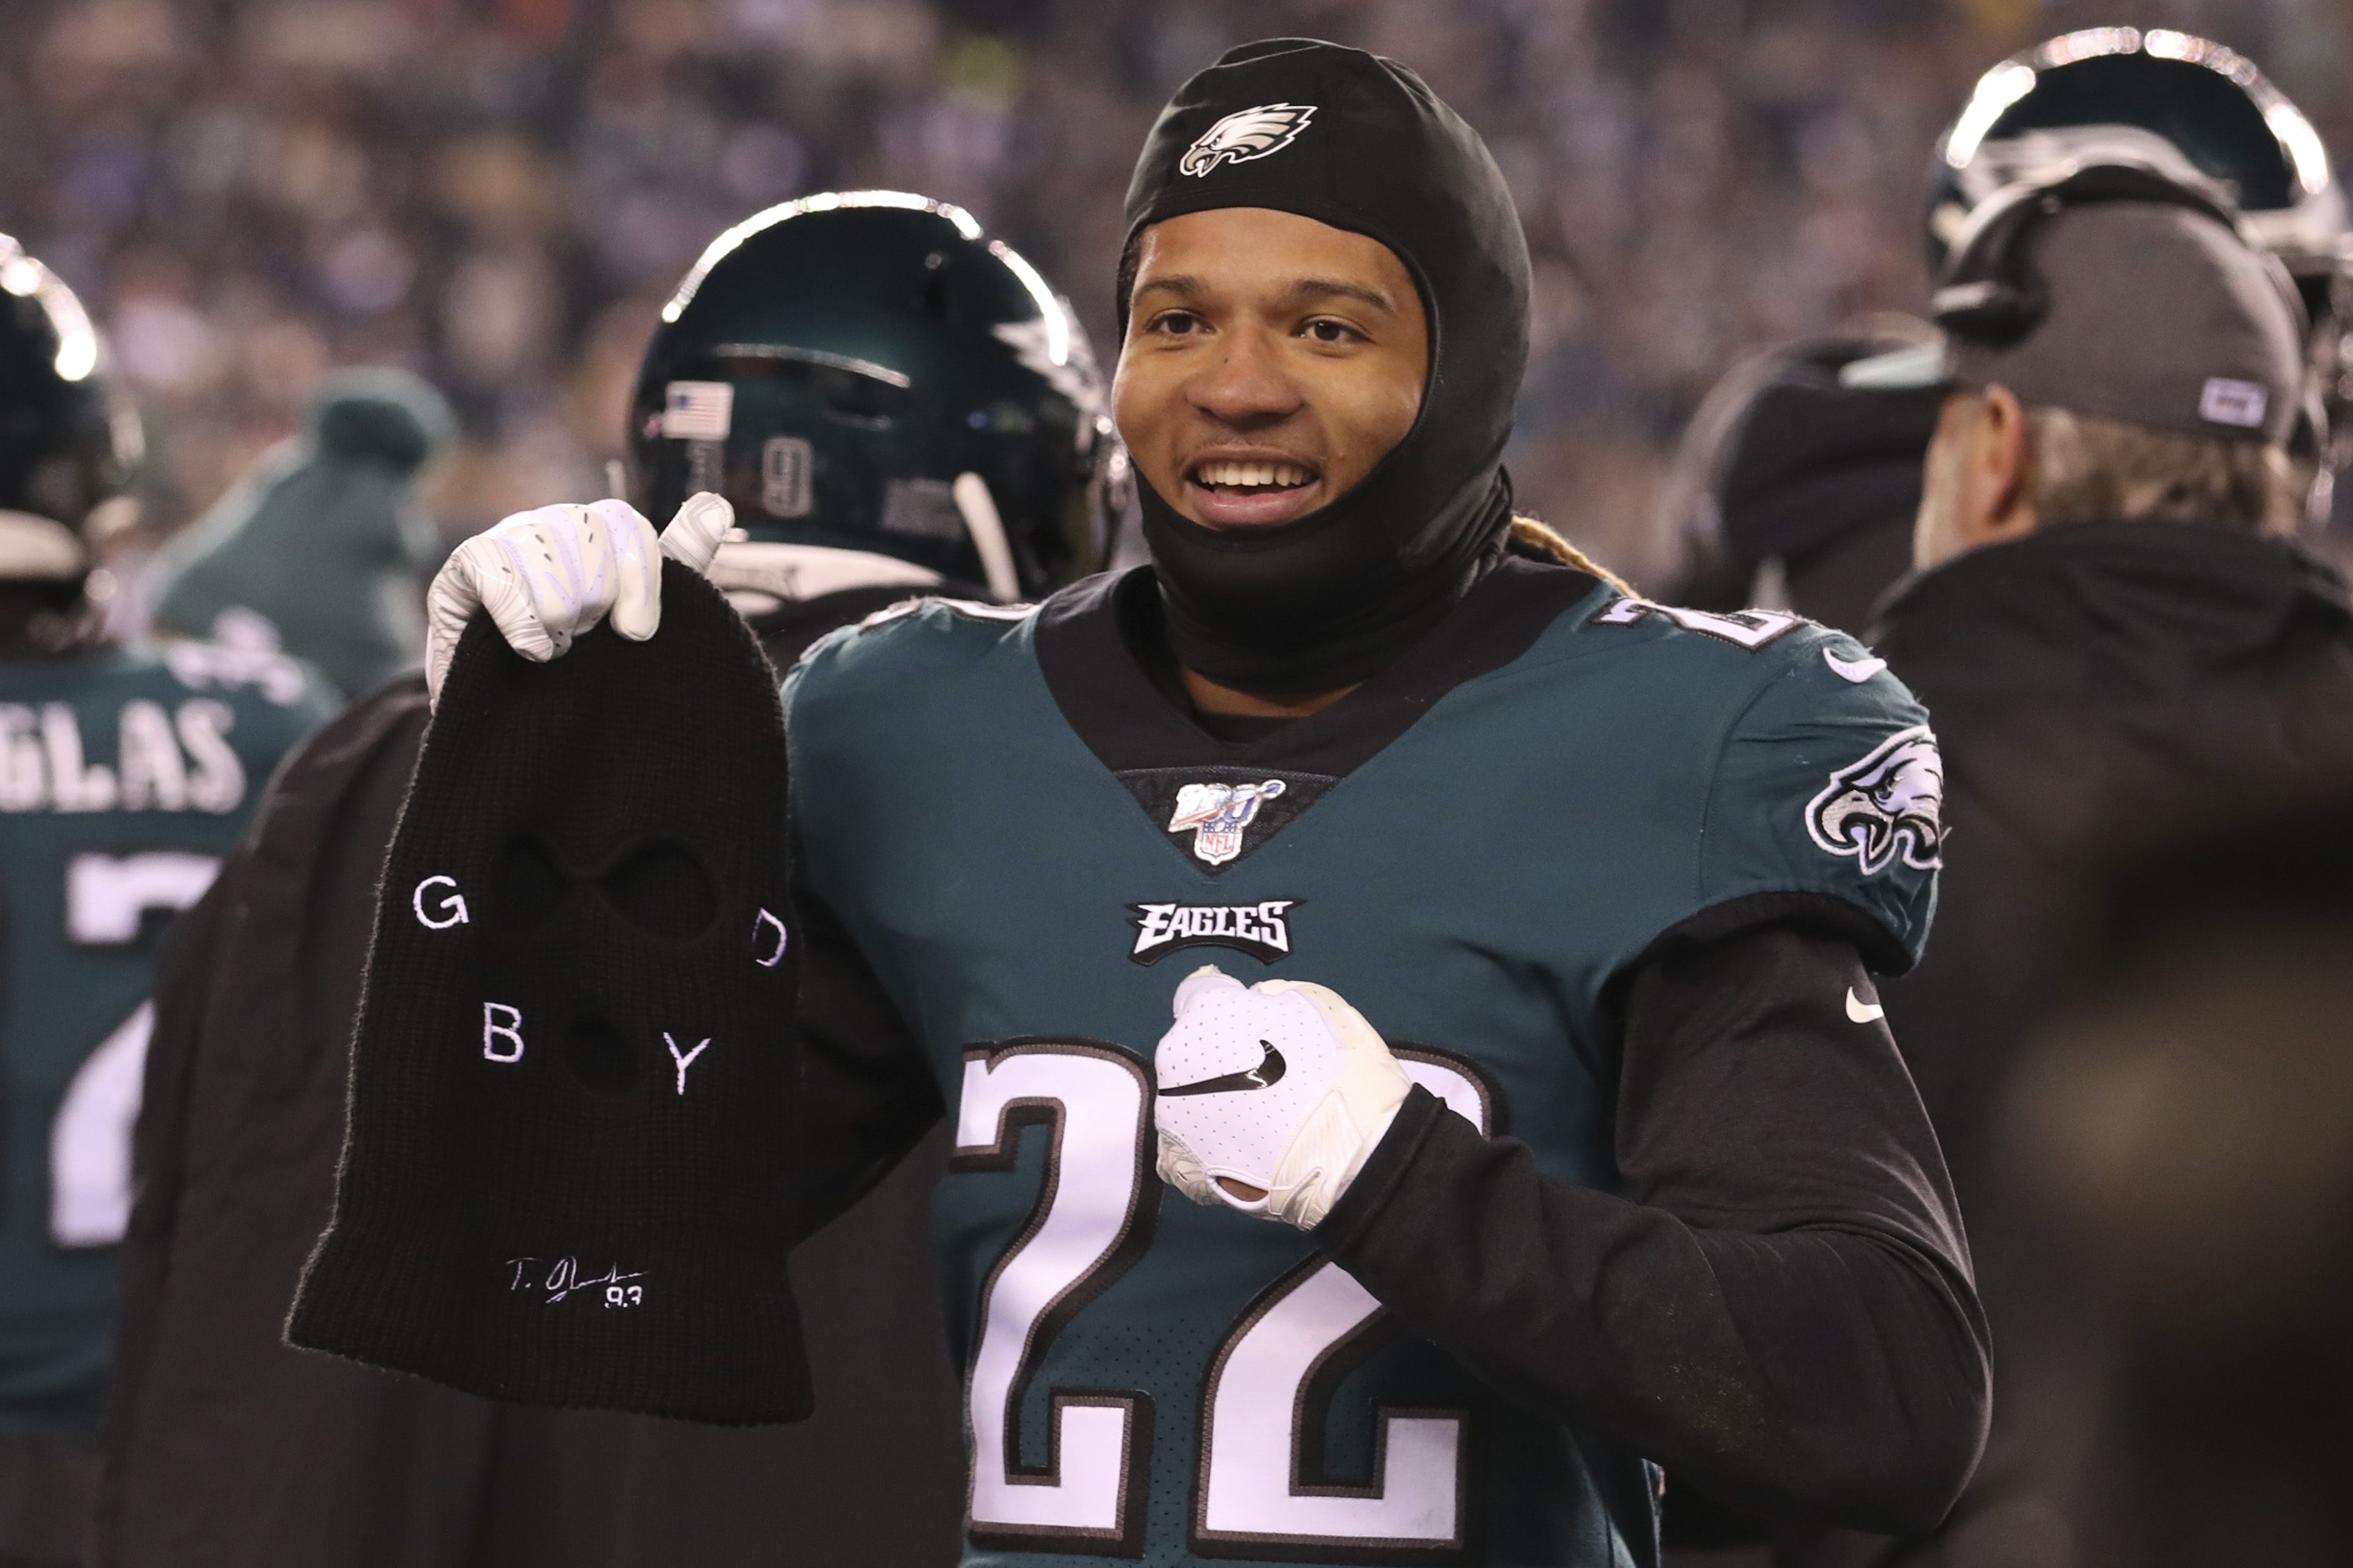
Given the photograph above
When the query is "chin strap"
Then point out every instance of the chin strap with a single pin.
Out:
(978, 508)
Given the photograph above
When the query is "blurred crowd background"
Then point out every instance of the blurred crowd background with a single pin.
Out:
(498, 194)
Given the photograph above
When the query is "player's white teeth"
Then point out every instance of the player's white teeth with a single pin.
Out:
(1284, 475)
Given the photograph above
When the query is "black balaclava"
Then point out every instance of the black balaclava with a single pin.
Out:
(569, 1177)
(1360, 143)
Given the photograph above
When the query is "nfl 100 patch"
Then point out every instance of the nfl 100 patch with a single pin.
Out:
(1218, 814)
(1223, 813)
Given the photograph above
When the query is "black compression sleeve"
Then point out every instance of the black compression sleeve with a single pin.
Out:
(1779, 1307)
(867, 1095)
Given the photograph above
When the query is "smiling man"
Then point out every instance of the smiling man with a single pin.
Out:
(1273, 360)
(1562, 1144)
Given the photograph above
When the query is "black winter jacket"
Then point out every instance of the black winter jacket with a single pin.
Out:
(2097, 689)
(227, 1449)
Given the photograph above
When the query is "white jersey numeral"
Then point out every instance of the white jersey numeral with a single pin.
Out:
(90, 1142)
(1092, 1221)
(1263, 1408)
(106, 895)
(1261, 1487)
(1751, 629)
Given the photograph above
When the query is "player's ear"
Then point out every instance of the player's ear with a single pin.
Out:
(2004, 452)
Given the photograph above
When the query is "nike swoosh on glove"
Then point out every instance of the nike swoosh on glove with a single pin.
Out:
(1280, 1086)
(550, 574)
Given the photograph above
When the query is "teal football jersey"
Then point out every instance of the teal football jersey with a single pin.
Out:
(124, 777)
(1031, 844)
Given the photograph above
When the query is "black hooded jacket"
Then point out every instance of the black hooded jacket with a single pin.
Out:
(2094, 687)
(2097, 689)
(1816, 476)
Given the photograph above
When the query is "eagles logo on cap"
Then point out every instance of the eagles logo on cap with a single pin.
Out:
(1248, 134)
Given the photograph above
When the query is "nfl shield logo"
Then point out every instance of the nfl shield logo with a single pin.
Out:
(1218, 814)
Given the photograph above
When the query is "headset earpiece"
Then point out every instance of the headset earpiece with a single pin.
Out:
(1987, 312)
(1990, 292)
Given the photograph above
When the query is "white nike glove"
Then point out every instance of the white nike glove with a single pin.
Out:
(548, 575)
(1281, 1086)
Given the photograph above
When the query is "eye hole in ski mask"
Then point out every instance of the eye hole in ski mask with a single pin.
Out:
(599, 1056)
(660, 889)
(527, 887)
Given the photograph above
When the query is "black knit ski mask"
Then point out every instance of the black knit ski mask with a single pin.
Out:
(1358, 142)
(568, 1176)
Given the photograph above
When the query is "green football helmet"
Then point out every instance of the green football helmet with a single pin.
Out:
(68, 446)
(868, 370)
(2187, 107)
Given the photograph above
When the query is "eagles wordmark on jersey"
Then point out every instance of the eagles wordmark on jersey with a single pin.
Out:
(123, 779)
(1013, 823)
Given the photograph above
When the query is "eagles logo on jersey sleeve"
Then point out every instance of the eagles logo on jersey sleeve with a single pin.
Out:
(1884, 806)
(1830, 784)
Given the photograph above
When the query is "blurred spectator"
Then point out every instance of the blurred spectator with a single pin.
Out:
(2115, 633)
(322, 551)
(2179, 1130)
(253, 191)
(1794, 492)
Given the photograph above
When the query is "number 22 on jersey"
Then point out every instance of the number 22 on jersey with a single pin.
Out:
(1258, 1490)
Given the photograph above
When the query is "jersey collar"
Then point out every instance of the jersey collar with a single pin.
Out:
(1100, 651)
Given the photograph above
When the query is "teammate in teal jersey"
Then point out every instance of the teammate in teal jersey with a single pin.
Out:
(123, 778)
(1591, 1165)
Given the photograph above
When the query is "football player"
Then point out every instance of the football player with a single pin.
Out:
(895, 402)
(1562, 1144)
(124, 777)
